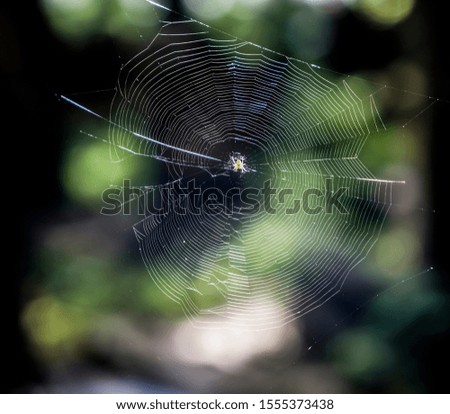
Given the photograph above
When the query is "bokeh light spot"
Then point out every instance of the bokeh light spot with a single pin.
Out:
(73, 19)
(209, 10)
(88, 171)
(385, 12)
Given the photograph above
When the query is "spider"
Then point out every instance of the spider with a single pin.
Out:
(238, 163)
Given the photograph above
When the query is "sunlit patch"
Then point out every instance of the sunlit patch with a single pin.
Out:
(68, 16)
(137, 12)
(309, 33)
(89, 171)
(126, 17)
(397, 252)
(52, 326)
(229, 346)
(385, 12)
(361, 355)
(326, 3)
(254, 3)
(209, 10)
(79, 20)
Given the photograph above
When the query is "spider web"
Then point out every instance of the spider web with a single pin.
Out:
(194, 97)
